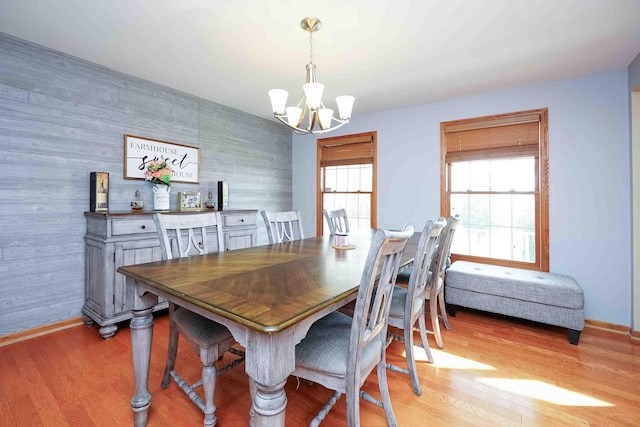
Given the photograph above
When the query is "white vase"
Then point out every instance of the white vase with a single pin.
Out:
(161, 197)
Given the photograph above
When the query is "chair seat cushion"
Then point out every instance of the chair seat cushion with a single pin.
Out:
(202, 331)
(326, 346)
(399, 300)
(404, 275)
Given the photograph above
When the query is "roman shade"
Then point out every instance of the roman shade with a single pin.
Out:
(499, 139)
(356, 149)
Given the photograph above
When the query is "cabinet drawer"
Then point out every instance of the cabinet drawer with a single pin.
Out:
(238, 219)
(138, 226)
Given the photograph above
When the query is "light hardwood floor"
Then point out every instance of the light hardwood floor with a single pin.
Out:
(493, 371)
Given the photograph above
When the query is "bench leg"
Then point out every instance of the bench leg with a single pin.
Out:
(451, 308)
(574, 336)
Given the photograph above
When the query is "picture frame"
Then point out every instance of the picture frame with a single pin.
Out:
(189, 201)
(98, 192)
(183, 159)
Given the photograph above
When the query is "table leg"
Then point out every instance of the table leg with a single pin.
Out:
(141, 334)
(269, 405)
(270, 359)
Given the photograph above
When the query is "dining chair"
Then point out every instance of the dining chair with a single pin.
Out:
(436, 288)
(181, 236)
(336, 220)
(339, 352)
(408, 303)
(283, 226)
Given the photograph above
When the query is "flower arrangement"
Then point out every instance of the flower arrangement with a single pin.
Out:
(159, 172)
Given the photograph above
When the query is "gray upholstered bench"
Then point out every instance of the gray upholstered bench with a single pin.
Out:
(554, 299)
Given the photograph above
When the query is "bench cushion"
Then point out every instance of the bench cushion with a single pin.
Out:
(539, 287)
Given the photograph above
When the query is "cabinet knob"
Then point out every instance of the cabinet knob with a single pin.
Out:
(143, 226)
(241, 219)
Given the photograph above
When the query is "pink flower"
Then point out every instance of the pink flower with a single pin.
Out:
(158, 172)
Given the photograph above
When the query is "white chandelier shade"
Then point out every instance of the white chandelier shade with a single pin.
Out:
(319, 118)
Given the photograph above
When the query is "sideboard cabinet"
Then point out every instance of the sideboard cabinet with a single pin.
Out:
(114, 239)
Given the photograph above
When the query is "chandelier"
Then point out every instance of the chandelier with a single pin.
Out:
(319, 118)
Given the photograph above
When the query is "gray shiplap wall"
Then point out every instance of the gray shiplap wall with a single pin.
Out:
(62, 118)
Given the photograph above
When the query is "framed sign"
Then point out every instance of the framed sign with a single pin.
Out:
(189, 201)
(139, 152)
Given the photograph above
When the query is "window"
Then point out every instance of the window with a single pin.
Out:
(495, 176)
(347, 179)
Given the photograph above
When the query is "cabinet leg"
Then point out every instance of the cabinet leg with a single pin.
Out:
(108, 331)
(87, 320)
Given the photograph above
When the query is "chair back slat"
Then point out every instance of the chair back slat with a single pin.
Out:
(183, 235)
(439, 263)
(422, 260)
(376, 289)
(283, 226)
(337, 221)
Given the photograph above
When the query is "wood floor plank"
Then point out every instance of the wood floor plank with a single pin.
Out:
(9, 387)
(39, 402)
(493, 371)
(5, 412)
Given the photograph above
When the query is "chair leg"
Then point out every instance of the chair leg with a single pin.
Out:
(208, 387)
(384, 393)
(411, 361)
(353, 403)
(443, 310)
(423, 335)
(173, 348)
(435, 322)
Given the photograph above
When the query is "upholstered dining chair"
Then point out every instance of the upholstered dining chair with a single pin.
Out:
(336, 220)
(339, 352)
(181, 236)
(408, 303)
(435, 288)
(283, 226)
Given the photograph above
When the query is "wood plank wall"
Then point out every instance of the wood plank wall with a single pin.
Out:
(62, 118)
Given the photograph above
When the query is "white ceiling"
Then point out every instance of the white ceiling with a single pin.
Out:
(387, 53)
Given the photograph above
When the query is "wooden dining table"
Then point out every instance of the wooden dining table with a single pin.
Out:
(267, 296)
